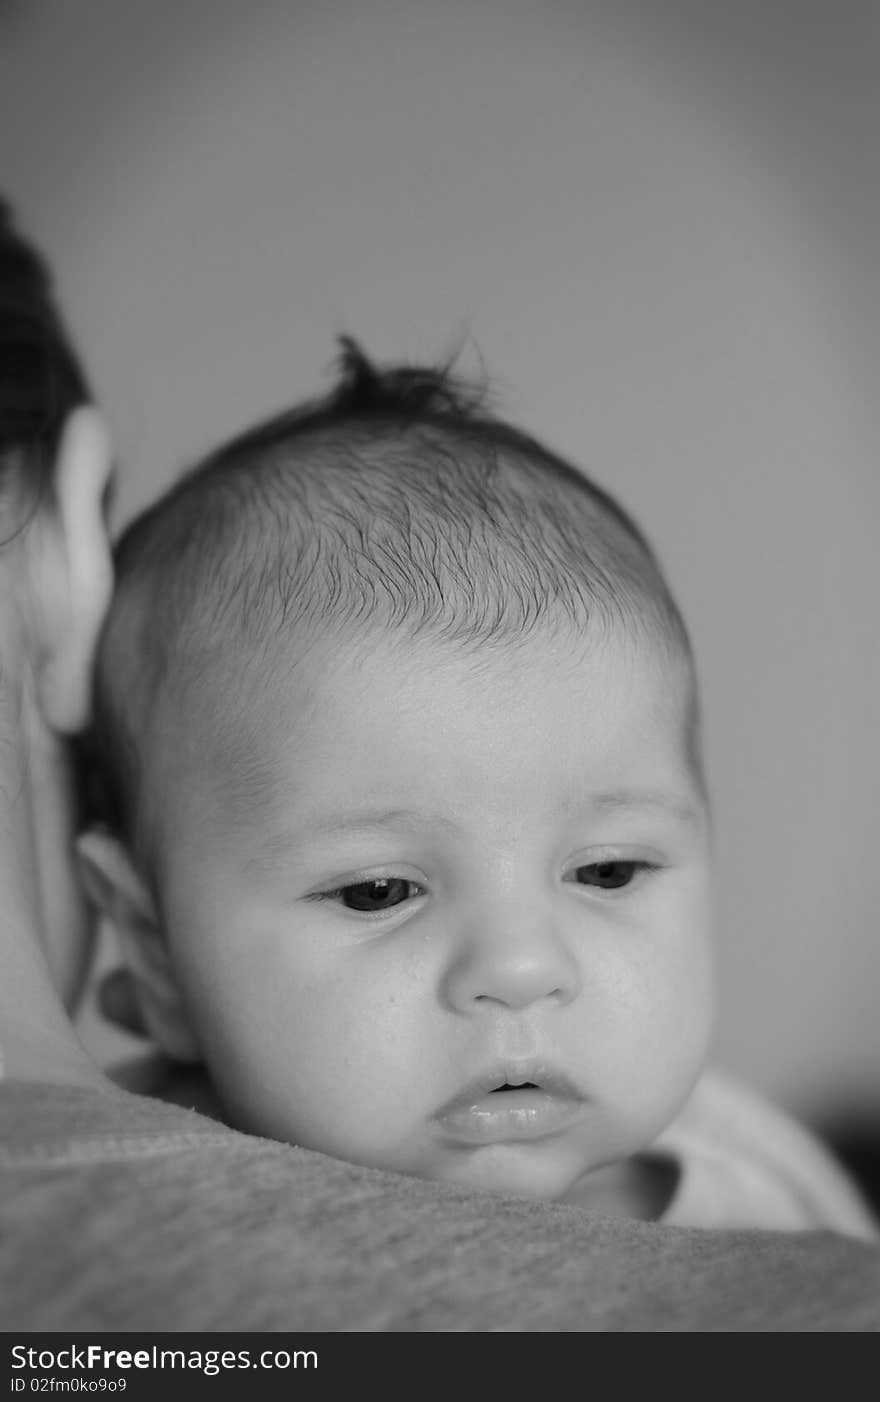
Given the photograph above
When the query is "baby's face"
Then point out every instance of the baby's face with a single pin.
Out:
(463, 931)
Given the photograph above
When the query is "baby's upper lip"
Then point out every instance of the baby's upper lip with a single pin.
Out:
(533, 1074)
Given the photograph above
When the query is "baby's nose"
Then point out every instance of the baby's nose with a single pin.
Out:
(511, 964)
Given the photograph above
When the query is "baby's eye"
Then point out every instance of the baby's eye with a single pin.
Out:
(609, 876)
(382, 893)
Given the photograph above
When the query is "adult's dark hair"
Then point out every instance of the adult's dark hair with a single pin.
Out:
(41, 379)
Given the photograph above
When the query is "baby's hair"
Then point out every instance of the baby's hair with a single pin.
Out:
(397, 502)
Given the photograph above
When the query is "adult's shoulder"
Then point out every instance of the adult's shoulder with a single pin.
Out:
(121, 1213)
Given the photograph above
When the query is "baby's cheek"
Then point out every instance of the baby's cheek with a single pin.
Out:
(683, 954)
(342, 1036)
(666, 1010)
(684, 1029)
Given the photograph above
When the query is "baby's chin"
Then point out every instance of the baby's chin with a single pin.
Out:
(510, 1170)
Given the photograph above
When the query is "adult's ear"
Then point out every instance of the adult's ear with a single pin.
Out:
(116, 889)
(76, 591)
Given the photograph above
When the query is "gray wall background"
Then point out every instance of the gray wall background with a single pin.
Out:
(657, 223)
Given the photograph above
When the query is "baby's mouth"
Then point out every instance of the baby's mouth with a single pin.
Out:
(511, 1111)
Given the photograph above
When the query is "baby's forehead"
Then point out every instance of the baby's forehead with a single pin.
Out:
(417, 704)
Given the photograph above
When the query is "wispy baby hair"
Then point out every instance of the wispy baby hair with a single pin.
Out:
(397, 501)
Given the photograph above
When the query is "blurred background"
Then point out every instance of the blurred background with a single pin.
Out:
(657, 225)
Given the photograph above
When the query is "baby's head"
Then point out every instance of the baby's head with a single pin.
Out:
(411, 839)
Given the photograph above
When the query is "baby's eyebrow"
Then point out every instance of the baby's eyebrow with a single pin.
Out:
(607, 801)
(279, 842)
(367, 819)
(618, 800)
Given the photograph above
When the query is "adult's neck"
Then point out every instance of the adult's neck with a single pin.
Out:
(37, 1038)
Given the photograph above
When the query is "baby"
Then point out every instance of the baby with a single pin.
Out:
(408, 838)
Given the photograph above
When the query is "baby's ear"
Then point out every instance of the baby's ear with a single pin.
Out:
(119, 894)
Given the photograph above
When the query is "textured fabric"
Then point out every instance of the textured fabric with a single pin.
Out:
(742, 1163)
(120, 1213)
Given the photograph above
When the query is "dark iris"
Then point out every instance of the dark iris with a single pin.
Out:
(608, 876)
(381, 894)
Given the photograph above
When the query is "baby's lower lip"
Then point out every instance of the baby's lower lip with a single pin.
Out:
(512, 1116)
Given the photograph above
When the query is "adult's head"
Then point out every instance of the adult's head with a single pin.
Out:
(55, 581)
